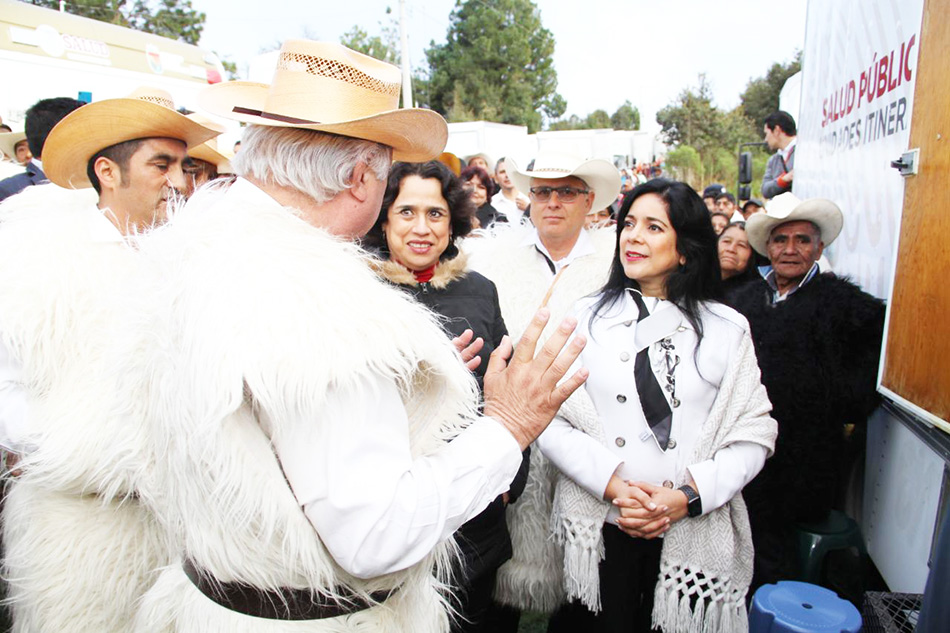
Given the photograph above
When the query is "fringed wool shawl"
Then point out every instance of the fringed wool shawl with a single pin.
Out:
(706, 560)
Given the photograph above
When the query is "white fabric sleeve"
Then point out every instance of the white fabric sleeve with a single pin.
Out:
(376, 508)
(13, 404)
(721, 478)
(579, 456)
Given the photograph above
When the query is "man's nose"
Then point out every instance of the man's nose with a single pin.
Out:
(176, 178)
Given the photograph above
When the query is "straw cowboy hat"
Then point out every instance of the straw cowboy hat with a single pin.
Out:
(209, 150)
(8, 143)
(787, 207)
(326, 87)
(601, 176)
(146, 113)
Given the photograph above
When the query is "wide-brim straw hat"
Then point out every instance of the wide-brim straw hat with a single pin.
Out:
(600, 175)
(787, 207)
(209, 150)
(8, 142)
(146, 113)
(326, 87)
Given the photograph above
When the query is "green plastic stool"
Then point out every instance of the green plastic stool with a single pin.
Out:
(815, 540)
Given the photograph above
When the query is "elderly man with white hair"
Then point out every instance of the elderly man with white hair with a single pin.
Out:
(818, 340)
(316, 437)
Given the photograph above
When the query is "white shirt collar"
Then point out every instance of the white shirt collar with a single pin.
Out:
(788, 148)
(582, 248)
(101, 228)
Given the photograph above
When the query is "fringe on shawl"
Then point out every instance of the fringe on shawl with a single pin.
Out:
(681, 603)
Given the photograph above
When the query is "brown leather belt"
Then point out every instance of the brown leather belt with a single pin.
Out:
(284, 604)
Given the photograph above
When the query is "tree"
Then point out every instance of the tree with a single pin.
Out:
(626, 117)
(496, 64)
(760, 98)
(692, 120)
(384, 47)
(175, 19)
(597, 120)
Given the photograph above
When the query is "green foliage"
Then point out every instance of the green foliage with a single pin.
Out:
(496, 64)
(685, 164)
(626, 117)
(229, 67)
(598, 119)
(384, 47)
(175, 19)
(760, 98)
(693, 120)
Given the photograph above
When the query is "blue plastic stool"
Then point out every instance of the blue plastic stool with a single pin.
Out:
(798, 607)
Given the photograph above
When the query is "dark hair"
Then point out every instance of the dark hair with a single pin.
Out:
(481, 174)
(42, 117)
(120, 154)
(499, 163)
(461, 208)
(728, 196)
(751, 267)
(6, 127)
(719, 213)
(783, 120)
(692, 283)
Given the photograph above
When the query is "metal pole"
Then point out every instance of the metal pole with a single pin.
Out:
(404, 55)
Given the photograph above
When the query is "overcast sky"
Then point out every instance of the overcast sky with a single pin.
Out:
(607, 51)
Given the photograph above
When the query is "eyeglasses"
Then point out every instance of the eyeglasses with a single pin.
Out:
(564, 194)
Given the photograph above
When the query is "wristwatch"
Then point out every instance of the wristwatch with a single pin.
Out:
(694, 505)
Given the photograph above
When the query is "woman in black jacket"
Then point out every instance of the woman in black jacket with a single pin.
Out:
(425, 210)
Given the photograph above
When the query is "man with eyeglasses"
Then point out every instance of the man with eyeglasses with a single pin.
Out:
(555, 262)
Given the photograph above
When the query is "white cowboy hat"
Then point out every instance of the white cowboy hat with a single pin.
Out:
(146, 113)
(600, 175)
(209, 150)
(327, 87)
(8, 143)
(787, 207)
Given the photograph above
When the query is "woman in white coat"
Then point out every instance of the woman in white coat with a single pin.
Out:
(672, 424)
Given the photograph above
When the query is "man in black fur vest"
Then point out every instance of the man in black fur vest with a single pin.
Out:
(818, 340)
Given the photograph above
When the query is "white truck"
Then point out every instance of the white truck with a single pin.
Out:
(874, 91)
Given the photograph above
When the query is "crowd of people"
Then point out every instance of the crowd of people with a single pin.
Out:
(339, 380)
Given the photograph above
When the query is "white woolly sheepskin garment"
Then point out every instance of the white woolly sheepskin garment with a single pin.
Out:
(251, 315)
(532, 579)
(79, 554)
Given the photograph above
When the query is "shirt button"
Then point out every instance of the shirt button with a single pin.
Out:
(620, 442)
(667, 484)
(624, 356)
(628, 323)
(621, 398)
(671, 443)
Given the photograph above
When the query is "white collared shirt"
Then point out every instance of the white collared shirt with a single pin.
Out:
(582, 247)
(508, 208)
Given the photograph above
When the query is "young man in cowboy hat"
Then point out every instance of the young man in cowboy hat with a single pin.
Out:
(80, 550)
(818, 339)
(553, 262)
(301, 426)
(41, 118)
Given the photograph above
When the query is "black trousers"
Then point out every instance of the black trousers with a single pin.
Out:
(628, 576)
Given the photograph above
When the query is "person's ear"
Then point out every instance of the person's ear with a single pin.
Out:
(108, 173)
(361, 181)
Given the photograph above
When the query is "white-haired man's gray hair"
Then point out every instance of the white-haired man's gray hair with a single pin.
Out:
(315, 163)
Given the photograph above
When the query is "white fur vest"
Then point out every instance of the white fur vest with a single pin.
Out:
(251, 316)
(532, 578)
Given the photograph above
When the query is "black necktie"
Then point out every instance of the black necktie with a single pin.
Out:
(655, 407)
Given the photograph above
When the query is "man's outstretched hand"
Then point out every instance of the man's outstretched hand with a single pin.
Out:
(523, 393)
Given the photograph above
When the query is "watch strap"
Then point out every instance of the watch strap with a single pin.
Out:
(694, 505)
